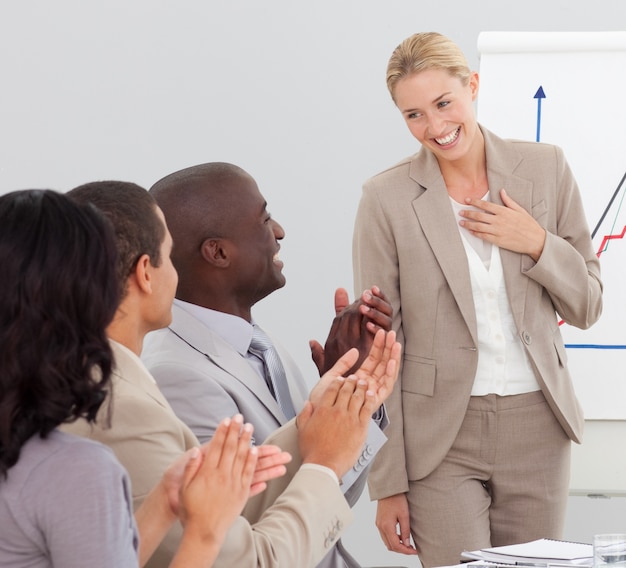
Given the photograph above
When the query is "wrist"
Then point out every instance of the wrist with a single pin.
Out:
(325, 464)
(317, 467)
(197, 546)
(162, 504)
(536, 253)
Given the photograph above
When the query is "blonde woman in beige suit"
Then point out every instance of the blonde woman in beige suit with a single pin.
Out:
(482, 246)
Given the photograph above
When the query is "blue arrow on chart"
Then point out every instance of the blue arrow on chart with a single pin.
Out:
(539, 95)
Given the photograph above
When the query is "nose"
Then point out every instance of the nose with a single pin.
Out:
(436, 124)
(279, 232)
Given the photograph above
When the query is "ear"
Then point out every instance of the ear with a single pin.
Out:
(216, 251)
(473, 84)
(143, 274)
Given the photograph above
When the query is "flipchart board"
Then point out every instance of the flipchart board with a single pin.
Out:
(569, 88)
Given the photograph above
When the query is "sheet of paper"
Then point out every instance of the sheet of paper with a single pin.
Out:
(537, 553)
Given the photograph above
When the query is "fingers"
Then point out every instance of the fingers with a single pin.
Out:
(269, 452)
(374, 298)
(391, 512)
(250, 457)
(270, 463)
(375, 354)
(491, 208)
(351, 394)
(391, 355)
(261, 477)
(213, 449)
(381, 366)
(194, 461)
(387, 380)
(389, 535)
(508, 226)
(363, 401)
(230, 450)
(341, 300)
(510, 203)
(332, 392)
(405, 538)
(376, 309)
(257, 488)
(355, 396)
(375, 319)
(231, 446)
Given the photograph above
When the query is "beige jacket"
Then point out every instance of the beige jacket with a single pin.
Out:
(302, 523)
(406, 241)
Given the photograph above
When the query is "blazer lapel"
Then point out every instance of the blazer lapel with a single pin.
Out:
(227, 359)
(215, 349)
(435, 216)
(502, 160)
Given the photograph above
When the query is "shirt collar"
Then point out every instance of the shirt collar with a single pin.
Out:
(234, 330)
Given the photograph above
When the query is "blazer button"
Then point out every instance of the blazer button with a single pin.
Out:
(526, 337)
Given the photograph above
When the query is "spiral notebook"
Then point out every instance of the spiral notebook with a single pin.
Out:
(542, 552)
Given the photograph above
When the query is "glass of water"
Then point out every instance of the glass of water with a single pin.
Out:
(609, 551)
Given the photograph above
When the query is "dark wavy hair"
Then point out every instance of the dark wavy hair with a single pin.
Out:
(58, 293)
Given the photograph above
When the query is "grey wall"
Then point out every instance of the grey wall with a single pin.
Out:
(293, 92)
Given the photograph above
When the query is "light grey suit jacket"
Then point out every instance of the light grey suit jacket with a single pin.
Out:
(204, 379)
(406, 241)
(306, 514)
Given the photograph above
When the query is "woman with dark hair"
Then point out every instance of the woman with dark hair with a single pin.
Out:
(65, 500)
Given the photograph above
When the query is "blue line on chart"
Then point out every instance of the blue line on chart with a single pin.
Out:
(592, 346)
(539, 95)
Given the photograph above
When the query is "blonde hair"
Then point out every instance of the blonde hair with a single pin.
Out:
(422, 51)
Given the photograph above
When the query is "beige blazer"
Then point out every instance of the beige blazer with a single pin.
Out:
(307, 512)
(406, 241)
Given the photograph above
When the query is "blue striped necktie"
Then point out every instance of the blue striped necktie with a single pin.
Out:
(262, 346)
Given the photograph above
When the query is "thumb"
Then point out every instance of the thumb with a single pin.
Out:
(192, 466)
(305, 414)
(345, 362)
(508, 202)
(317, 354)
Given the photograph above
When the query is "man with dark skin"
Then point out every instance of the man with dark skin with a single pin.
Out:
(226, 247)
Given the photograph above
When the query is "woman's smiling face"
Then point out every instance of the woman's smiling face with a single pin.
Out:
(438, 109)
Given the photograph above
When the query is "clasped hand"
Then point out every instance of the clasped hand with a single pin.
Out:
(507, 226)
(333, 425)
(354, 326)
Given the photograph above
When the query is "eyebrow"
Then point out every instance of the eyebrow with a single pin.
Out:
(434, 101)
(442, 96)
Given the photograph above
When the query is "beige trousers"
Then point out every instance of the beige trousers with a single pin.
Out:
(505, 480)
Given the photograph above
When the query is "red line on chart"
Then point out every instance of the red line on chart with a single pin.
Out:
(607, 238)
